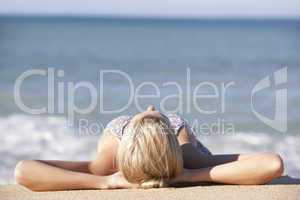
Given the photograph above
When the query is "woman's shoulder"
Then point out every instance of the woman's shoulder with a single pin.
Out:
(177, 122)
(175, 118)
(119, 121)
(117, 125)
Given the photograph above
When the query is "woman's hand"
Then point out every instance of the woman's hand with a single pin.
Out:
(118, 181)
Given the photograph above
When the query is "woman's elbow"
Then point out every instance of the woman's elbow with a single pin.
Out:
(272, 167)
(276, 165)
(22, 174)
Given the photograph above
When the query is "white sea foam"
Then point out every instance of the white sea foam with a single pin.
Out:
(27, 137)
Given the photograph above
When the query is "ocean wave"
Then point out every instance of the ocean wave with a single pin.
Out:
(29, 137)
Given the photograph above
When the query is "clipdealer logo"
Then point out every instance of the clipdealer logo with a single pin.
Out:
(56, 90)
(279, 122)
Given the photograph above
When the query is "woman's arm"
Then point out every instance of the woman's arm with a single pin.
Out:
(77, 166)
(256, 168)
(39, 176)
(101, 173)
(259, 169)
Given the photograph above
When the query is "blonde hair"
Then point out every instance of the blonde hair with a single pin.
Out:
(149, 153)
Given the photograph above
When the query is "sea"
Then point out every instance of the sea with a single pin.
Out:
(62, 79)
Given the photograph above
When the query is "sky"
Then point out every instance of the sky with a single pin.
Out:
(155, 8)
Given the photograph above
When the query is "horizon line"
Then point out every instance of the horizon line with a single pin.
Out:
(151, 17)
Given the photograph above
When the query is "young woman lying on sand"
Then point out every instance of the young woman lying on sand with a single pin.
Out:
(148, 150)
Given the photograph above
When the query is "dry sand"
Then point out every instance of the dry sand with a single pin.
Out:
(284, 188)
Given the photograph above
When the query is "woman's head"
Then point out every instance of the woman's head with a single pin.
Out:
(149, 152)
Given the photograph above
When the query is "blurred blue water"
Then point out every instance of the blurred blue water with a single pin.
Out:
(243, 51)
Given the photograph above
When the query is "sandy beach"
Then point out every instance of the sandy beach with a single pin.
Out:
(283, 188)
